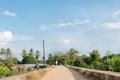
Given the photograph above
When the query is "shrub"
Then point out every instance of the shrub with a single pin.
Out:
(5, 71)
(112, 64)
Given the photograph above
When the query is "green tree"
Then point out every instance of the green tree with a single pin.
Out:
(50, 59)
(2, 53)
(60, 57)
(73, 55)
(31, 52)
(37, 56)
(9, 60)
(95, 60)
(29, 60)
(77, 62)
(95, 56)
(8, 53)
(85, 61)
(24, 53)
(15, 60)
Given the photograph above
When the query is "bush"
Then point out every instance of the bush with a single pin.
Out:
(5, 71)
(111, 64)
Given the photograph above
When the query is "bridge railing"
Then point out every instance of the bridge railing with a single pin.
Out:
(102, 75)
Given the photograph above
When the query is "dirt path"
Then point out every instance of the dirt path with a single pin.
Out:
(62, 73)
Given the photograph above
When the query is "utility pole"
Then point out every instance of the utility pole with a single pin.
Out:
(44, 53)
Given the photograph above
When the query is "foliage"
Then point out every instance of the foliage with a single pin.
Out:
(37, 56)
(6, 57)
(30, 57)
(70, 58)
(72, 55)
(95, 56)
(29, 60)
(7, 60)
(111, 63)
(5, 71)
(77, 62)
(15, 60)
(2, 53)
(50, 57)
(24, 53)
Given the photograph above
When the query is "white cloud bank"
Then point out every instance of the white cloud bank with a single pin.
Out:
(112, 25)
(62, 25)
(116, 14)
(8, 13)
(5, 37)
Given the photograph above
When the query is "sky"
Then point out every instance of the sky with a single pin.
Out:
(85, 25)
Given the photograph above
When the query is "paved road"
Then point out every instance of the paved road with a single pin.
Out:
(62, 73)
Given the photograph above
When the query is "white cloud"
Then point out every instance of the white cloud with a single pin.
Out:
(8, 13)
(5, 37)
(66, 24)
(59, 25)
(70, 40)
(66, 41)
(112, 25)
(116, 14)
(84, 21)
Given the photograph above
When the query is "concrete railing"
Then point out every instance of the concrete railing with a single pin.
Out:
(99, 74)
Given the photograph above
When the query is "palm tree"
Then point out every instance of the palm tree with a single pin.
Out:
(24, 53)
(8, 53)
(37, 56)
(9, 58)
(2, 52)
(31, 52)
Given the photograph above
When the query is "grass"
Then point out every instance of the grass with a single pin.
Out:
(37, 75)
(33, 76)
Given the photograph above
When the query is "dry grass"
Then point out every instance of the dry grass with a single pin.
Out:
(33, 76)
(37, 75)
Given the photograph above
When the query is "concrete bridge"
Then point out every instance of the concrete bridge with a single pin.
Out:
(63, 73)
(71, 73)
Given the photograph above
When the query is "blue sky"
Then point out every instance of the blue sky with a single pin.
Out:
(81, 24)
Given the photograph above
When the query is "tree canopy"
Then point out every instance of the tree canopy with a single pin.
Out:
(30, 57)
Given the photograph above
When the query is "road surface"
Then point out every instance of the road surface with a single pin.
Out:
(63, 73)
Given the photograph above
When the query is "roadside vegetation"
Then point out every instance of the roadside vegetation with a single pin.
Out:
(8, 62)
(110, 62)
(37, 75)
